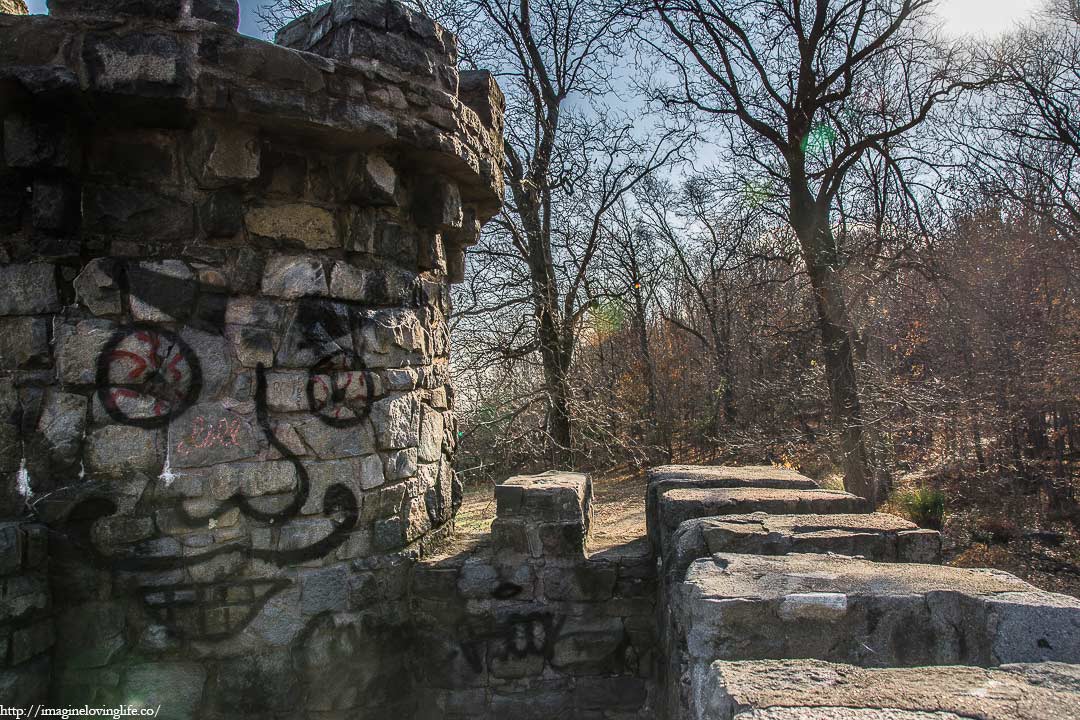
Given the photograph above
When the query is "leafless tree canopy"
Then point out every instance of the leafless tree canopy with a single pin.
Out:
(808, 232)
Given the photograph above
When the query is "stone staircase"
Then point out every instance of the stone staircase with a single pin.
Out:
(782, 601)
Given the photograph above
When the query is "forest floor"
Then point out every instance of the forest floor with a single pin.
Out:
(988, 524)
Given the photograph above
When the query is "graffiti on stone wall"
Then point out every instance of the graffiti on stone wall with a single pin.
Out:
(147, 376)
(516, 637)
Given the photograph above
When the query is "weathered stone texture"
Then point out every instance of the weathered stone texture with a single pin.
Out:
(792, 689)
(838, 609)
(676, 505)
(875, 536)
(223, 349)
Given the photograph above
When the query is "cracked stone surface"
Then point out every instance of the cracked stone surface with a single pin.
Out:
(875, 536)
(810, 689)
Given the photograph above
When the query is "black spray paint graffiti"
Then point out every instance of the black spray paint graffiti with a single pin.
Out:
(148, 376)
(518, 636)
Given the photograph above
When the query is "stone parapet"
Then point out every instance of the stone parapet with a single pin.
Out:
(543, 516)
(848, 610)
(675, 506)
(670, 477)
(874, 536)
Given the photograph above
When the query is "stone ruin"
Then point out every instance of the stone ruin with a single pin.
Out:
(226, 480)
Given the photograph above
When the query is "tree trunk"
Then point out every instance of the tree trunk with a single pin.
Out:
(557, 387)
(642, 331)
(819, 253)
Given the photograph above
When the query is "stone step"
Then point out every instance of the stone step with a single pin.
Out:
(815, 690)
(850, 610)
(677, 505)
(875, 536)
(667, 477)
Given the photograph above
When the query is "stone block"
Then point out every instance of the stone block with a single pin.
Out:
(132, 153)
(918, 546)
(111, 210)
(309, 225)
(587, 582)
(441, 210)
(177, 687)
(294, 277)
(329, 442)
(24, 343)
(97, 289)
(875, 536)
(397, 421)
(161, 291)
(119, 450)
(815, 690)
(79, 348)
(379, 181)
(55, 206)
(28, 289)
(667, 477)
(208, 434)
(561, 540)
(389, 534)
(221, 215)
(60, 428)
(142, 63)
(609, 693)
(400, 464)
(848, 610)
(224, 154)
(549, 497)
(589, 646)
(437, 583)
(677, 505)
(324, 590)
(479, 90)
(512, 536)
(92, 634)
(31, 143)
(432, 434)
(222, 12)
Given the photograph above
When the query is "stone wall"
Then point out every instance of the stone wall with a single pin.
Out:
(530, 625)
(224, 348)
(775, 614)
(27, 631)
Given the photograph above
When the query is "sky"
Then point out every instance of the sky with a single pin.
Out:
(979, 17)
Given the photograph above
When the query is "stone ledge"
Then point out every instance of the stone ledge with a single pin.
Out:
(875, 536)
(852, 610)
(848, 610)
(814, 690)
(677, 505)
(174, 73)
(667, 477)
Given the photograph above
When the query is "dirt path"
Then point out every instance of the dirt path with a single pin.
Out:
(618, 511)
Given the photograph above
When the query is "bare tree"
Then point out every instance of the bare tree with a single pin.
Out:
(569, 160)
(1024, 137)
(805, 91)
(276, 14)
